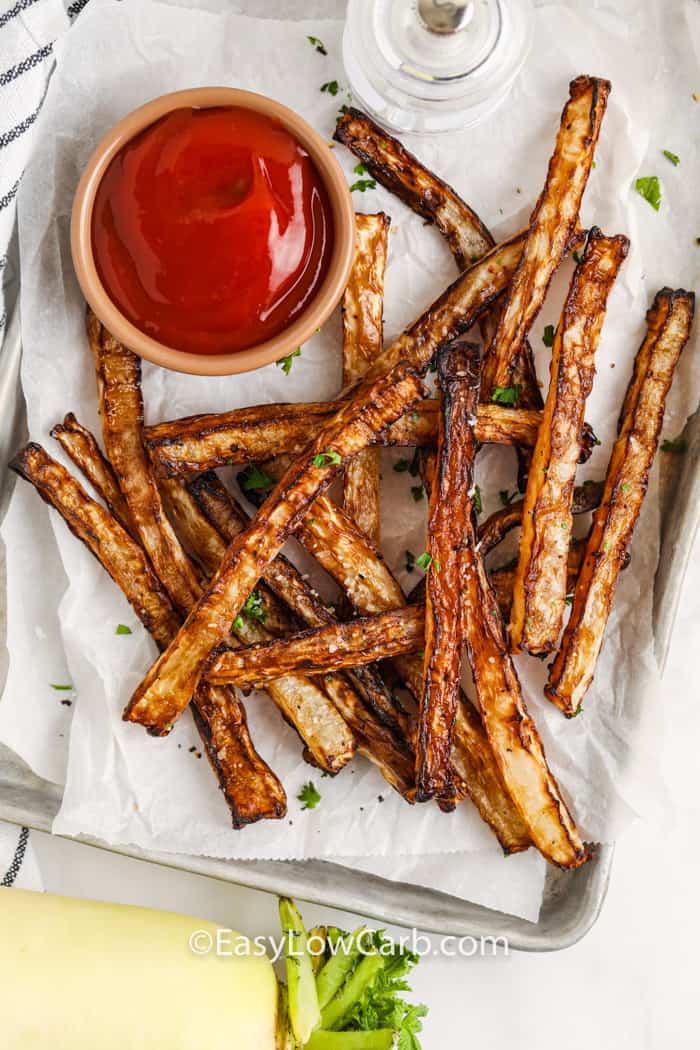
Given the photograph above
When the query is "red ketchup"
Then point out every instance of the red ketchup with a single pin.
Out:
(211, 229)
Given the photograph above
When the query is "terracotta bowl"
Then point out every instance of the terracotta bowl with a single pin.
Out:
(318, 310)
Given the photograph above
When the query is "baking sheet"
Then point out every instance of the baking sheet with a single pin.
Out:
(126, 787)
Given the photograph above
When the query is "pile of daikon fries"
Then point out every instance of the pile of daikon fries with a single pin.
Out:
(227, 609)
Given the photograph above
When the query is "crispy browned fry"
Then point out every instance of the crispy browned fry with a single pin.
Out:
(668, 327)
(121, 408)
(403, 175)
(80, 444)
(362, 308)
(539, 590)
(427, 195)
(245, 435)
(347, 556)
(392, 385)
(251, 789)
(326, 737)
(379, 738)
(510, 729)
(303, 703)
(450, 502)
(552, 224)
(316, 651)
(384, 729)
(497, 526)
(503, 577)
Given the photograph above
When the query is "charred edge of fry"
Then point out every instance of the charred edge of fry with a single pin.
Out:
(425, 193)
(668, 328)
(539, 590)
(362, 308)
(121, 407)
(497, 526)
(556, 214)
(450, 505)
(82, 448)
(122, 558)
(509, 727)
(320, 650)
(223, 726)
(202, 443)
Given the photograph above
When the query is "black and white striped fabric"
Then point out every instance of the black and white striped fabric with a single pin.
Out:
(28, 32)
(18, 866)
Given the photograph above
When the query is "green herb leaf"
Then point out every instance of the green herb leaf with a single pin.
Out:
(317, 44)
(363, 184)
(309, 796)
(253, 478)
(673, 157)
(331, 87)
(677, 445)
(410, 561)
(577, 257)
(323, 459)
(548, 335)
(238, 624)
(254, 607)
(478, 504)
(122, 629)
(61, 688)
(417, 491)
(649, 188)
(360, 169)
(507, 395)
(507, 497)
(569, 599)
(424, 561)
(285, 363)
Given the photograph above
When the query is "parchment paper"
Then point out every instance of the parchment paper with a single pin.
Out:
(126, 787)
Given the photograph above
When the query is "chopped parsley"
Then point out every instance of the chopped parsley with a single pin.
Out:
(317, 44)
(548, 335)
(323, 459)
(478, 503)
(577, 257)
(649, 188)
(360, 169)
(507, 395)
(61, 688)
(410, 561)
(411, 466)
(677, 445)
(417, 491)
(331, 87)
(673, 157)
(285, 363)
(309, 796)
(254, 607)
(122, 629)
(569, 599)
(425, 560)
(363, 184)
(506, 497)
(238, 624)
(253, 478)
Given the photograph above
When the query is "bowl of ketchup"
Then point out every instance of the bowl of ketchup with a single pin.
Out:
(212, 231)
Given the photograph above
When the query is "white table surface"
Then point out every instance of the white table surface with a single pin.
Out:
(630, 983)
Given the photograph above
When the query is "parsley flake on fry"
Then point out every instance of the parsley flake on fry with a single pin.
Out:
(324, 459)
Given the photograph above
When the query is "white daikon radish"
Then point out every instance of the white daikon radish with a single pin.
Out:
(79, 975)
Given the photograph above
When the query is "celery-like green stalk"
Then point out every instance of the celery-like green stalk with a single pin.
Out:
(304, 1013)
(352, 991)
(332, 974)
(379, 1039)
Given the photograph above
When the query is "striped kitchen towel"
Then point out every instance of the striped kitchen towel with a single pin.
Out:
(28, 32)
(18, 866)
